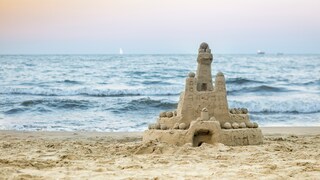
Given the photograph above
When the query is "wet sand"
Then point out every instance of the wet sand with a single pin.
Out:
(287, 152)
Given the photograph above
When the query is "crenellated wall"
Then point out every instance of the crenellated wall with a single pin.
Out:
(193, 101)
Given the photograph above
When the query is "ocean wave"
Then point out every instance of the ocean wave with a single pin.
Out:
(259, 89)
(153, 91)
(19, 110)
(15, 110)
(297, 106)
(145, 103)
(240, 81)
(310, 83)
(67, 81)
(155, 82)
(90, 91)
(48, 105)
(148, 102)
(58, 103)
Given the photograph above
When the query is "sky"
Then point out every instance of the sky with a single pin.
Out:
(159, 26)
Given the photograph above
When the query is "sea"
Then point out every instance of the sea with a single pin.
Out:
(111, 93)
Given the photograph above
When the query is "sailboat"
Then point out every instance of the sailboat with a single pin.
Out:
(120, 51)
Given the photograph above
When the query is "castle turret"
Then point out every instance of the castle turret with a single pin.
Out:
(221, 110)
(203, 75)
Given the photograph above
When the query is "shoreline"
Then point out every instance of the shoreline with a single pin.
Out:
(286, 130)
(270, 130)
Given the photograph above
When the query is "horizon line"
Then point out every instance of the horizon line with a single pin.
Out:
(280, 53)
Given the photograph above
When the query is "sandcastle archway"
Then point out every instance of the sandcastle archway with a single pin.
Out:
(202, 136)
(203, 132)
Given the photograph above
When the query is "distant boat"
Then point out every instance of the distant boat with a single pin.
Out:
(260, 52)
(279, 54)
(120, 51)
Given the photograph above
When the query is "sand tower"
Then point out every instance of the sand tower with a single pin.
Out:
(204, 78)
(202, 114)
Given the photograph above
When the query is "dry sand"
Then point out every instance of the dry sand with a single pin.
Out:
(287, 153)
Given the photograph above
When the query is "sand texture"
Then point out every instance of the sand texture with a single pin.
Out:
(286, 154)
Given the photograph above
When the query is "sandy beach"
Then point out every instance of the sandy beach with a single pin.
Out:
(287, 153)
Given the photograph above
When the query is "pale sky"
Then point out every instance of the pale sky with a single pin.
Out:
(158, 26)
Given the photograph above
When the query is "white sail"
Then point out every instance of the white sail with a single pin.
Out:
(120, 51)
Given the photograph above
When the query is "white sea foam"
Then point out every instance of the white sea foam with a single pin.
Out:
(90, 91)
(279, 106)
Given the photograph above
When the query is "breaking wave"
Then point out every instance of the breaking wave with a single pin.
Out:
(240, 81)
(91, 92)
(298, 106)
(67, 81)
(258, 89)
(47, 105)
(315, 82)
(143, 103)
(58, 103)
(153, 91)
(15, 110)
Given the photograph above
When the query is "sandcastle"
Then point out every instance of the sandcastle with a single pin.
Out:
(202, 115)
